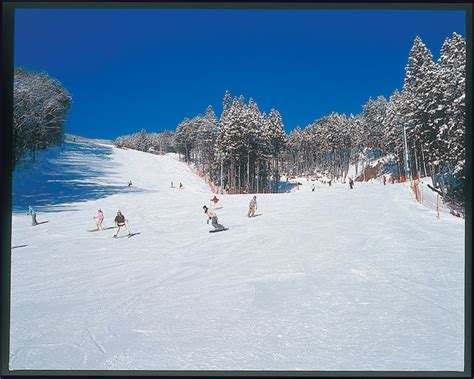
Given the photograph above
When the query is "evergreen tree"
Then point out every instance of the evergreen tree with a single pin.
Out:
(453, 88)
(274, 136)
(420, 78)
(374, 112)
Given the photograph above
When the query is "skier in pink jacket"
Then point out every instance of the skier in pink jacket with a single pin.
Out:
(99, 219)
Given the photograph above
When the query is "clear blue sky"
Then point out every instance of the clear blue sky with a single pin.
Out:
(129, 69)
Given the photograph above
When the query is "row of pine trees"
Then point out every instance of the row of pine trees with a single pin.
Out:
(246, 150)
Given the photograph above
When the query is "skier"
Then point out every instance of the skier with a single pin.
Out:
(384, 180)
(172, 185)
(119, 222)
(130, 183)
(313, 187)
(99, 219)
(351, 183)
(215, 200)
(180, 185)
(330, 181)
(32, 212)
(252, 207)
(213, 217)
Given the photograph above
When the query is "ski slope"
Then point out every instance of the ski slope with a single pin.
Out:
(336, 279)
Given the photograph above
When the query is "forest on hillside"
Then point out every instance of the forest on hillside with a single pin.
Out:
(421, 127)
(40, 107)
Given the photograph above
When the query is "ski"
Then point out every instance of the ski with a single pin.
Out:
(218, 230)
(99, 230)
(128, 235)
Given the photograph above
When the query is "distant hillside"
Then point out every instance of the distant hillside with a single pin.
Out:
(72, 172)
(75, 138)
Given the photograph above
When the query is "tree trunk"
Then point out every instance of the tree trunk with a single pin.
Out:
(248, 171)
(416, 160)
(423, 158)
(240, 185)
(258, 174)
(222, 175)
(433, 174)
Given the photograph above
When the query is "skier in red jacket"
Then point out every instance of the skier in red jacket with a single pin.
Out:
(215, 200)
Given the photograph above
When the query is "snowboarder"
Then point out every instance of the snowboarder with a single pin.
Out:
(213, 217)
(119, 222)
(215, 200)
(99, 219)
(351, 183)
(32, 212)
(180, 185)
(252, 207)
(313, 187)
(130, 183)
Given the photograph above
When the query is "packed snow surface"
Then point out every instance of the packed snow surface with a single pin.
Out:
(335, 279)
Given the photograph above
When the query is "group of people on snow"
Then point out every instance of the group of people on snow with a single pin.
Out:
(212, 216)
(119, 220)
(180, 185)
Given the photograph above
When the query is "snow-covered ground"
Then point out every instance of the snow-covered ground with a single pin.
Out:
(336, 279)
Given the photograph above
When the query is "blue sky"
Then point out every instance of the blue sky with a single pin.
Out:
(129, 69)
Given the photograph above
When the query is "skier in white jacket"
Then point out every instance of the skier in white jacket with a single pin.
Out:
(213, 217)
(252, 207)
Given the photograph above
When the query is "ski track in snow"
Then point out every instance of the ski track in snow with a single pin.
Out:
(335, 279)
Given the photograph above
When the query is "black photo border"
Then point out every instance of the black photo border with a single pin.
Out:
(6, 102)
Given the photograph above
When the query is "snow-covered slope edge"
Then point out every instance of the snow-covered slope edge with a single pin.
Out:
(335, 279)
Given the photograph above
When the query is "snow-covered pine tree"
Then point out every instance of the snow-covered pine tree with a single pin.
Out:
(452, 82)
(393, 128)
(294, 152)
(274, 135)
(185, 138)
(206, 138)
(420, 78)
(356, 131)
(374, 114)
(253, 138)
(230, 143)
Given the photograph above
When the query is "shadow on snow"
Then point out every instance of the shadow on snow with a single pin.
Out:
(73, 172)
